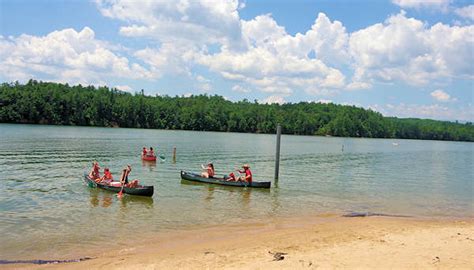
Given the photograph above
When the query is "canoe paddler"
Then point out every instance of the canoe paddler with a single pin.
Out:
(124, 178)
(248, 173)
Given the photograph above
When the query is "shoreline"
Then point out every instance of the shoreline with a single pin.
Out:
(310, 242)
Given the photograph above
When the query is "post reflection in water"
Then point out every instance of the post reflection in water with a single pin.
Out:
(245, 198)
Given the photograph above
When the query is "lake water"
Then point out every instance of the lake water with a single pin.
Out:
(46, 210)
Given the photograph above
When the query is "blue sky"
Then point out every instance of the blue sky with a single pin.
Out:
(405, 58)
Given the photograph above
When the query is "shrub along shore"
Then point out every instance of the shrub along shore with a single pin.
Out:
(39, 102)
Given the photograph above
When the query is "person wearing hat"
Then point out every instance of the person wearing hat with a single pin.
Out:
(95, 173)
(209, 173)
(248, 174)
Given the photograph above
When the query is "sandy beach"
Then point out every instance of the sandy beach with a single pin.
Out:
(321, 242)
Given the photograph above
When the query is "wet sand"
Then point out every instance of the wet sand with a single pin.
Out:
(320, 242)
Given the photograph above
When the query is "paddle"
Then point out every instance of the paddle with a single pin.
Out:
(122, 179)
(119, 195)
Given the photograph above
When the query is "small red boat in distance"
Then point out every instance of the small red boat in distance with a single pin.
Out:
(148, 158)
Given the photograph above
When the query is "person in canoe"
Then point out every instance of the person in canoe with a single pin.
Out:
(231, 177)
(248, 174)
(95, 172)
(209, 170)
(144, 152)
(124, 178)
(107, 178)
(151, 153)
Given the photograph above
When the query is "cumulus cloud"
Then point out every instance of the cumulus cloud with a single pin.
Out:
(405, 49)
(203, 84)
(442, 96)
(466, 12)
(65, 55)
(322, 61)
(274, 99)
(125, 88)
(177, 31)
(240, 89)
(324, 101)
(276, 62)
(440, 4)
(434, 111)
(256, 54)
(197, 22)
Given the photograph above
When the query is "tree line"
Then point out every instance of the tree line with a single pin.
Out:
(61, 104)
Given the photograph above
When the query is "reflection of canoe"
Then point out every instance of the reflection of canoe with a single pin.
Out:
(149, 158)
(220, 181)
(139, 190)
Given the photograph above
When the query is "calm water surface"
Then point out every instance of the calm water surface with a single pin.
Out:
(47, 211)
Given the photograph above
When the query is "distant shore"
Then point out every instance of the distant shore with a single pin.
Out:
(307, 243)
(109, 107)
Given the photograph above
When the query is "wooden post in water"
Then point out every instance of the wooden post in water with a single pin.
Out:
(174, 154)
(277, 157)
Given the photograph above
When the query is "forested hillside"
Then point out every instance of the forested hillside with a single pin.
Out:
(61, 104)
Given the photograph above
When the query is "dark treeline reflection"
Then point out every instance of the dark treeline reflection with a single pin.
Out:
(62, 104)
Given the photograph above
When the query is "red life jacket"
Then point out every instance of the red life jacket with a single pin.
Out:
(108, 175)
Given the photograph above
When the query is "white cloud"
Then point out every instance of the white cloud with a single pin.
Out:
(324, 101)
(440, 4)
(177, 31)
(442, 96)
(203, 84)
(256, 55)
(260, 53)
(201, 79)
(434, 111)
(65, 56)
(197, 22)
(257, 52)
(240, 89)
(274, 99)
(466, 12)
(125, 88)
(405, 49)
(276, 62)
(168, 59)
(205, 87)
(358, 85)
